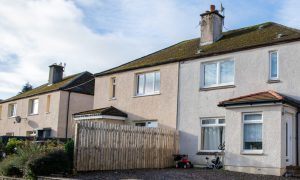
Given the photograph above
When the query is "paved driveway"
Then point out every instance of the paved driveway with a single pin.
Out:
(176, 174)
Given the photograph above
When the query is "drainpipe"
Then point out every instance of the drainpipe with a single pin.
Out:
(178, 96)
(297, 138)
(68, 109)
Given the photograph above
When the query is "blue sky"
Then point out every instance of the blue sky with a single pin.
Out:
(95, 35)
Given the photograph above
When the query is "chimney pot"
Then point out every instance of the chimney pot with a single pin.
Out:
(212, 8)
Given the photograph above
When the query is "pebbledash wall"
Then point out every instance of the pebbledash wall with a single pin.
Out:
(54, 119)
(251, 76)
(161, 107)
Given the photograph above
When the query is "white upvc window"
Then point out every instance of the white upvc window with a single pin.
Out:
(12, 110)
(273, 65)
(33, 106)
(212, 134)
(218, 73)
(252, 130)
(148, 83)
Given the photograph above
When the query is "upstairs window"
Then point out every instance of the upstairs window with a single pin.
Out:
(148, 83)
(48, 103)
(113, 88)
(0, 111)
(218, 73)
(12, 110)
(273, 65)
(33, 106)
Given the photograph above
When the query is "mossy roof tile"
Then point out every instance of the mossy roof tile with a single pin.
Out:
(235, 40)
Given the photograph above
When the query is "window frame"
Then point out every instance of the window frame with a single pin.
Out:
(270, 65)
(1, 111)
(252, 151)
(154, 92)
(216, 124)
(31, 106)
(218, 75)
(9, 110)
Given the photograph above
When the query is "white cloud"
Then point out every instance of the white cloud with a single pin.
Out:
(288, 14)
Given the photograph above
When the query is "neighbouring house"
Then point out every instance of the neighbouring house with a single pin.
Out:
(238, 87)
(46, 111)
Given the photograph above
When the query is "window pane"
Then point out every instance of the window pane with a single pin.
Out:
(141, 82)
(221, 121)
(157, 82)
(252, 117)
(210, 74)
(149, 86)
(212, 137)
(209, 121)
(35, 108)
(252, 136)
(226, 72)
(274, 67)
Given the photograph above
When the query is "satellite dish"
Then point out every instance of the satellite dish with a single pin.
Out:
(18, 119)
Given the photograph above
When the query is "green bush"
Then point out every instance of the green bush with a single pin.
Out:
(48, 163)
(8, 167)
(69, 148)
(12, 145)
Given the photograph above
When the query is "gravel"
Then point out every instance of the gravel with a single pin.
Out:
(177, 174)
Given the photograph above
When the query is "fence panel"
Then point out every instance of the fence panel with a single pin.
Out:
(104, 146)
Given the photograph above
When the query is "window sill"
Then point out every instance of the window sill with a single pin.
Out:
(155, 94)
(212, 153)
(112, 99)
(271, 81)
(32, 114)
(216, 87)
(252, 152)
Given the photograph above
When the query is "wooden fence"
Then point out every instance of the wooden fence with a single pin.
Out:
(101, 146)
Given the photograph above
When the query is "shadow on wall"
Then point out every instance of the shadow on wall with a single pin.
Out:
(189, 146)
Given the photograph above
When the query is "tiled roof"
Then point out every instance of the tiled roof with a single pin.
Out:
(259, 98)
(81, 83)
(109, 111)
(235, 40)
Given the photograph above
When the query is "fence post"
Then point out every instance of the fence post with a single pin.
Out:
(76, 138)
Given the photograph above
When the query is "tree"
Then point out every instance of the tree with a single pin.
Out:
(26, 88)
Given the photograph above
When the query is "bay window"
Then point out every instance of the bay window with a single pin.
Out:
(218, 73)
(252, 131)
(212, 133)
(148, 83)
(273, 55)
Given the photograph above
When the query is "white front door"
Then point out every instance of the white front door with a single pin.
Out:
(288, 129)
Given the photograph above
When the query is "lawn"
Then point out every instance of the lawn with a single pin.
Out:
(177, 174)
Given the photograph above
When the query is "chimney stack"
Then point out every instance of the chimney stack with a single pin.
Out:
(55, 73)
(211, 26)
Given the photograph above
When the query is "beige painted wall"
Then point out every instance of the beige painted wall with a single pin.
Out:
(55, 119)
(251, 76)
(162, 107)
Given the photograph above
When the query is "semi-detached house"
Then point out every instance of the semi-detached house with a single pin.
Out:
(239, 87)
(46, 111)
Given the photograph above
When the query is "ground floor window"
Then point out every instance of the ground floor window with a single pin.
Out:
(212, 133)
(252, 131)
